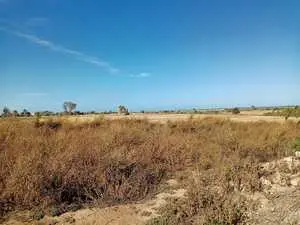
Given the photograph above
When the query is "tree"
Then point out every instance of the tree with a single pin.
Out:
(235, 110)
(69, 106)
(287, 113)
(25, 112)
(6, 111)
(123, 110)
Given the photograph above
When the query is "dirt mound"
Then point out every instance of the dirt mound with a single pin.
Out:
(279, 203)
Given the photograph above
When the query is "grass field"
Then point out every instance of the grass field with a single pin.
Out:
(244, 116)
(56, 165)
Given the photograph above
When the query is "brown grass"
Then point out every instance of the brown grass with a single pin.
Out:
(56, 163)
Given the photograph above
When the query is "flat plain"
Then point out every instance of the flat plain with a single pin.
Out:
(150, 169)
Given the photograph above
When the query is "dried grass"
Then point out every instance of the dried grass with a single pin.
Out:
(55, 162)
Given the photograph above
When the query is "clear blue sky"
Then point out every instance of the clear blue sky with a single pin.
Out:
(149, 54)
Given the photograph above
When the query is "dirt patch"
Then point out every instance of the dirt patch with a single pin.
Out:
(279, 203)
(127, 214)
(150, 208)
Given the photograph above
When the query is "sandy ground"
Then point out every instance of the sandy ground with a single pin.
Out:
(128, 214)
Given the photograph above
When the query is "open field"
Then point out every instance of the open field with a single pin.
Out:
(204, 169)
(149, 112)
(245, 116)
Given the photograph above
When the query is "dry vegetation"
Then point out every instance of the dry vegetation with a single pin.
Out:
(53, 166)
(285, 112)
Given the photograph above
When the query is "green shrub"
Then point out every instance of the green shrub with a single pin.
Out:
(285, 112)
(38, 214)
(235, 110)
(296, 145)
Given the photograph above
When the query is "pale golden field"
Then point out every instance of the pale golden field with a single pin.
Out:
(244, 116)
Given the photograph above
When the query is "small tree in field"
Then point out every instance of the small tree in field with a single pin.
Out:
(235, 111)
(6, 112)
(69, 106)
(123, 110)
(26, 113)
(287, 113)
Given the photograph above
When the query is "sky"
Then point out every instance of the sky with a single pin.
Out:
(147, 55)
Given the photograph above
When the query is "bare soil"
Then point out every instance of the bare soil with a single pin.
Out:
(127, 214)
(279, 203)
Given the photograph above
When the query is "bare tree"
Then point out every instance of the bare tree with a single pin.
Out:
(69, 106)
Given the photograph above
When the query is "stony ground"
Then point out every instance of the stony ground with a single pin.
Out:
(279, 203)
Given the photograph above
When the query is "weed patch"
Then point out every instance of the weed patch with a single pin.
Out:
(53, 164)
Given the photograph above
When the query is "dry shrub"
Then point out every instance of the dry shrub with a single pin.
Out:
(213, 198)
(228, 165)
(71, 164)
(62, 163)
(212, 205)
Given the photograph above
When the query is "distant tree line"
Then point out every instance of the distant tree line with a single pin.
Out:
(6, 112)
(69, 108)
